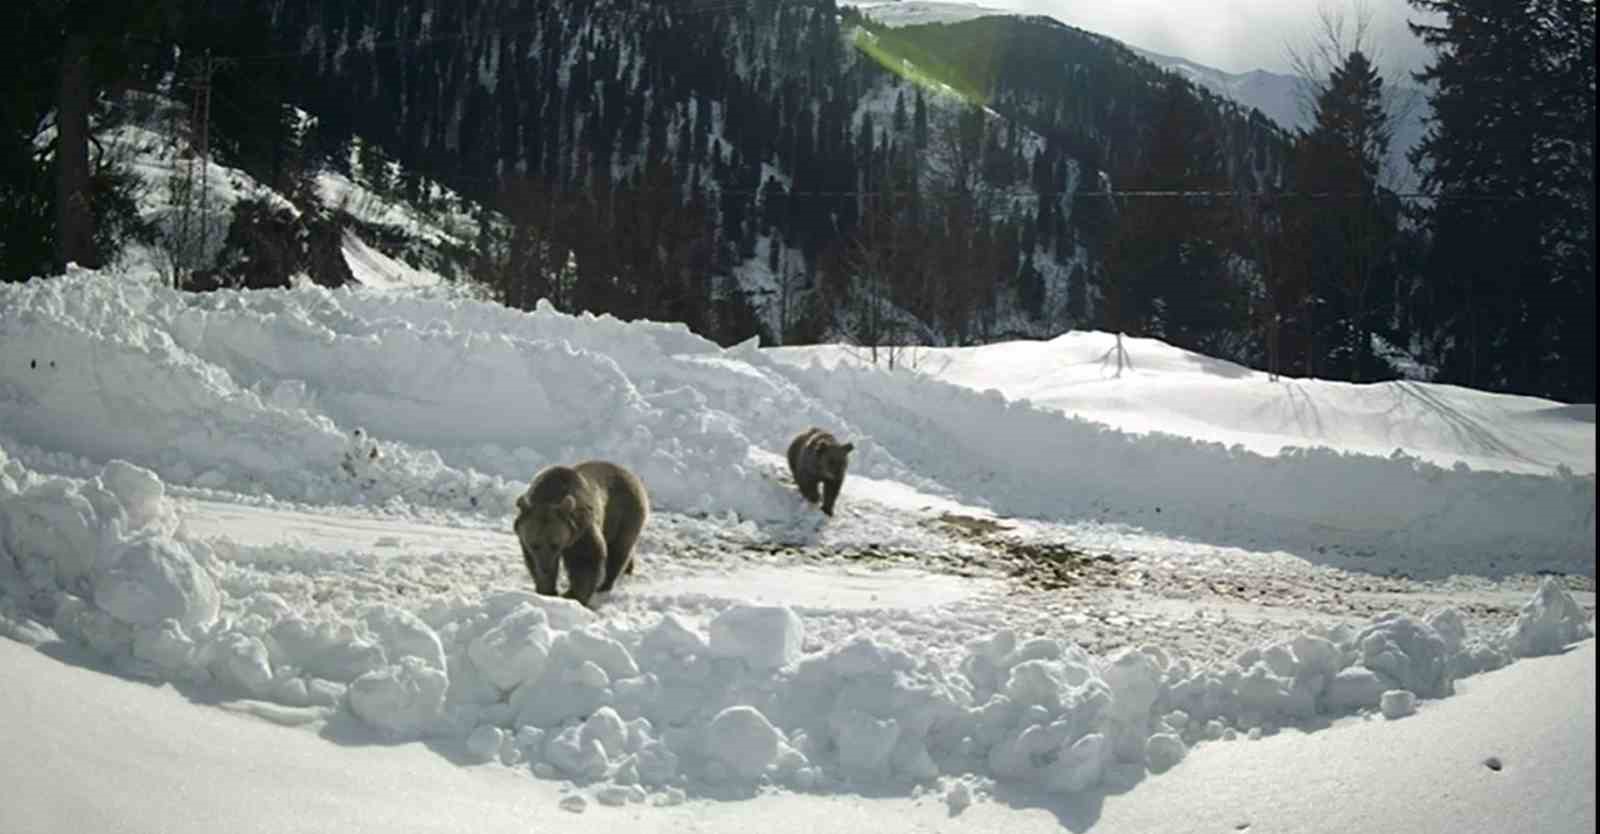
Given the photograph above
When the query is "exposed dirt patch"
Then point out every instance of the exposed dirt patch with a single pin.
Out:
(1048, 566)
(966, 526)
(1039, 565)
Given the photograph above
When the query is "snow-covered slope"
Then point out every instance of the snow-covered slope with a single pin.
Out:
(150, 145)
(299, 499)
(1279, 97)
(1162, 388)
(916, 12)
(1282, 98)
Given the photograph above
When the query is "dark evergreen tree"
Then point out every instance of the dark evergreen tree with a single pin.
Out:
(1510, 156)
(1165, 273)
(1344, 229)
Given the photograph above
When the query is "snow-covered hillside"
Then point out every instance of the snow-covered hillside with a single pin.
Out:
(191, 226)
(297, 501)
(1279, 97)
(1284, 99)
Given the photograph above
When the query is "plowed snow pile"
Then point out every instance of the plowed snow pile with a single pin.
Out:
(428, 403)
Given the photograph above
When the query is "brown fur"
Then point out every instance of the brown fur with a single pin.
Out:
(817, 457)
(586, 517)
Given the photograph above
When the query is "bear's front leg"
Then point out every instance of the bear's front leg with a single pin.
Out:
(830, 494)
(545, 568)
(586, 561)
(808, 488)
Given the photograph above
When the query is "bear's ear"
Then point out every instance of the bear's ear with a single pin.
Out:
(568, 504)
(848, 448)
(522, 502)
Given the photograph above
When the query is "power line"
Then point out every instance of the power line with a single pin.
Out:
(714, 190)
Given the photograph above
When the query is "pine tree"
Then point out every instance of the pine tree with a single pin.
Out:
(919, 123)
(1342, 238)
(1165, 273)
(1513, 119)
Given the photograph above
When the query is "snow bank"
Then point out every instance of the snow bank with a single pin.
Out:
(430, 399)
(1168, 389)
(108, 369)
(366, 397)
(1022, 460)
(660, 703)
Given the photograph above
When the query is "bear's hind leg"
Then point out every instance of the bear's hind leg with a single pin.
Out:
(619, 557)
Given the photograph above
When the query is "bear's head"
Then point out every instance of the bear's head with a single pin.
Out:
(832, 459)
(548, 529)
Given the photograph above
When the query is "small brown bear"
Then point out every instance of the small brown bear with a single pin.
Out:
(587, 517)
(816, 456)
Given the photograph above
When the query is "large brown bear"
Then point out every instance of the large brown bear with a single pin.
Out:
(587, 517)
(816, 456)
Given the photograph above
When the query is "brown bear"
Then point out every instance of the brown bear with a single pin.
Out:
(587, 517)
(816, 456)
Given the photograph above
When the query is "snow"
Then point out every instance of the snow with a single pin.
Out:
(763, 637)
(916, 12)
(375, 269)
(125, 756)
(297, 502)
(1179, 392)
(1398, 703)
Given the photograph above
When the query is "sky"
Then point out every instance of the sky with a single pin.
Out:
(1231, 35)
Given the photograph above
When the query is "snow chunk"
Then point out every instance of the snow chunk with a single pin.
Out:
(673, 636)
(561, 613)
(1353, 688)
(484, 743)
(614, 796)
(1135, 681)
(404, 635)
(561, 694)
(1398, 703)
(574, 756)
(1409, 653)
(1548, 622)
(764, 637)
(326, 650)
(606, 727)
(166, 645)
(1450, 626)
(138, 490)
(154, 578)
(1163, 752)
(52, 533)
(584, 645)
(864, 743)
(1078, 767)
(515, 651)
(958, 797)
(743, 740)
(241, 660)
(657, 764)
(402, 701)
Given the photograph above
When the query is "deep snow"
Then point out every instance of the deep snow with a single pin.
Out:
(1171, 390)
(124, 756)
(301, 498)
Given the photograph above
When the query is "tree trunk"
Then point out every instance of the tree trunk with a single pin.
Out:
(74, 215)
